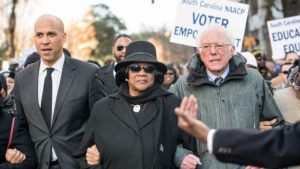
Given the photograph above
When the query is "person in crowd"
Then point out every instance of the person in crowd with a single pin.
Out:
(170, 77)
(135, 127)
(288, 99)
(106, 73)
(32, 58)
(275, 148)
(10, 81)
(281, 81)
(251, 61)
(16, 148)
(261, 63)
(230, 94)
(291, 57)
(54, 96)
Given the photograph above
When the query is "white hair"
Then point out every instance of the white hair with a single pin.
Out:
(217, 28)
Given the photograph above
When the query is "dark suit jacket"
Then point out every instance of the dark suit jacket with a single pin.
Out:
(275, 148)
(78, 91)
(107, 80)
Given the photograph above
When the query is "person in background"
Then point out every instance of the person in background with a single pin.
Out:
(106, 73)
(251, 61)
(276, 148)
(20, 153)
(291, 57)
(281, 81)
(10, 81)
(288, 99)
(32, 58)
(135, 127)
(231, 95)
(170, 77)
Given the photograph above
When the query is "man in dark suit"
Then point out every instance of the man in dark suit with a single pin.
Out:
(107, 73)
(274, 148)
(54, 96)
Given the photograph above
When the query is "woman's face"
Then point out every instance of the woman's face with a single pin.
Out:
(10, 84)
(140, 77)
(169, 77)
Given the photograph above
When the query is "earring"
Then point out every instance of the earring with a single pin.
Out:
(126, 80)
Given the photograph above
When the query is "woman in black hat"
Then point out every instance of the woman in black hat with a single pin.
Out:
(135, 127)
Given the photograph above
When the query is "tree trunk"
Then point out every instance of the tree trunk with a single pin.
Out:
(12, 25)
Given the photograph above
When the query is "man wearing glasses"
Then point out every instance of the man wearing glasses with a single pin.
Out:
(229, 95)
(107, 73)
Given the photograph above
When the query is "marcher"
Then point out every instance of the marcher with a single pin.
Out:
(135, 127)
(275, 148)
(16, 148)
(170, 77)
(54, 96)
(230, 94)
(107, 73)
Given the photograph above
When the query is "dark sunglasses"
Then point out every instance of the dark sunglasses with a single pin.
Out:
(120, 48)
(137, 68)
(285, 72)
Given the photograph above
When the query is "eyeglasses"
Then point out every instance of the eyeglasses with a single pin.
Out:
(218, 46)
(120, 48)
(137, 68)
(285, 72)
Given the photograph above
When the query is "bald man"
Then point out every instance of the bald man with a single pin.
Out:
(54, 96)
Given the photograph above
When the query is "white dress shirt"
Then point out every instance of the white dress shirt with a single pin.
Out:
(212, 77)
(56, 76)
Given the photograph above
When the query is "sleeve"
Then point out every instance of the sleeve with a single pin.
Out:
(21, 138)
(87, 141)
(274, 148)
(269, 108)
(96, 89)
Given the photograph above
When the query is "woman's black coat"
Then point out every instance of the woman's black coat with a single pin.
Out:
(121, 140)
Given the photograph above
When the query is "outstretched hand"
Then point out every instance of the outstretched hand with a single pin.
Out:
(187, 118)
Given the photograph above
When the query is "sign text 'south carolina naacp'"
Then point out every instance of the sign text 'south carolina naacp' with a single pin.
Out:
(193, 16)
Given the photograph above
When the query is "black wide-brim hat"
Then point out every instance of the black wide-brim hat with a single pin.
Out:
(141, 51)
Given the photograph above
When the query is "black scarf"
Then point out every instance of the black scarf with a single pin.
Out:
(151, 93)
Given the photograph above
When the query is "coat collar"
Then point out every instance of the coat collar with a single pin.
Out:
(198, 75)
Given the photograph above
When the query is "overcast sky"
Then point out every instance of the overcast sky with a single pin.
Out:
(136, 14)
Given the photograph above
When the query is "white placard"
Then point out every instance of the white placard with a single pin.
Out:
(193, 16)
(284, 36)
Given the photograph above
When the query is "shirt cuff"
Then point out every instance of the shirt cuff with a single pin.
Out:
(210, 138)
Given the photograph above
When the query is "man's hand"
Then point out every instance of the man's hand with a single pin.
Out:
(190, 161)
(266, 125)
(187, 119)
(14, 156)
(93, 155)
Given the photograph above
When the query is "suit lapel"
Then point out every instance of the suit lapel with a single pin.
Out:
(67, 76)
(122, 111)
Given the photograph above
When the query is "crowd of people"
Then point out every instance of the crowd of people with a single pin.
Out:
(136, 112)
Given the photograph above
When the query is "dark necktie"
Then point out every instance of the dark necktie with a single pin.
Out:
(46, 104)
(218, 81)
